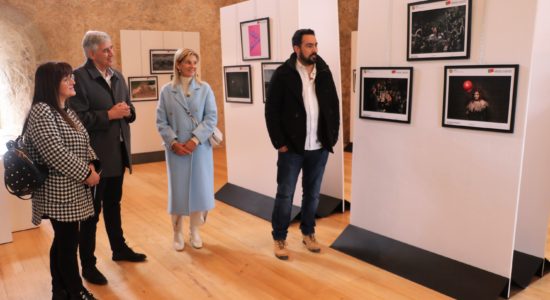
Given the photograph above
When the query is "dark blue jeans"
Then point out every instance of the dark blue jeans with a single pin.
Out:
(312, 164)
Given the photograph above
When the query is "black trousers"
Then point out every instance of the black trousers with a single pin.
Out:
(108, 194)
(63, 257)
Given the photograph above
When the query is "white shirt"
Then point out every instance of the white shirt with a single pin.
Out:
(107, 75)
(311, 104)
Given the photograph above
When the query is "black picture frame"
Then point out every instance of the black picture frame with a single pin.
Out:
(494, 106)
(386, 93)
(161, 61)
(238, 83)
(143, 88)
(255, 39)
(268, 68)
(439, 29)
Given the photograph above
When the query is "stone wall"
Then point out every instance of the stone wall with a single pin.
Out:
(62, 23)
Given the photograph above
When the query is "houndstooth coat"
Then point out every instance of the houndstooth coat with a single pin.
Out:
(50, 140)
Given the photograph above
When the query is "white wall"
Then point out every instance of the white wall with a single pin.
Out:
(450, 191)
(251, 159)
(135, 46)
(534, 205)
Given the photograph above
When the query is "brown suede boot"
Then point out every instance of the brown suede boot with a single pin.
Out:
(311, 243)
(280, 249)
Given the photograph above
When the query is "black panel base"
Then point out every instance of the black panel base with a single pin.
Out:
(262, 206)
(347, 205)
(349, 148)
(524, 268)
(545, 268)
(147, 157)
(328, 205)
(445, 275)
(252, 202)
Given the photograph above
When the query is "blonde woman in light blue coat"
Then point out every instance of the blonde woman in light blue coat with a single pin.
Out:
(189, 161)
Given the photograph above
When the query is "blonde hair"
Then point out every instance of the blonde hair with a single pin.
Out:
(180, 56)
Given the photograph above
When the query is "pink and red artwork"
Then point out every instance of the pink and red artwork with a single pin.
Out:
(255, 40)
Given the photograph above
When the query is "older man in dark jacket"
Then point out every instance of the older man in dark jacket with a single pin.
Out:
(104, 107)
(303, 119)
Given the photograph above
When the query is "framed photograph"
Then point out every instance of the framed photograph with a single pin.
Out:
(143, 88)
(439, 29)
(480, 97)
(162, 61)
(238, 84)
(255, 39)
(268, 69)
(386, 93)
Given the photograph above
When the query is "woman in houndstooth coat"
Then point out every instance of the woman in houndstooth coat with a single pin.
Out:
(55, 137)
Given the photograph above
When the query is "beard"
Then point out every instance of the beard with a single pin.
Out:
(306, 61)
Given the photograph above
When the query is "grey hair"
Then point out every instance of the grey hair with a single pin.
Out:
(92, 39)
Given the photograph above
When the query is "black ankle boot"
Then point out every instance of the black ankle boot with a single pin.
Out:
(60, 295)
(83, 295)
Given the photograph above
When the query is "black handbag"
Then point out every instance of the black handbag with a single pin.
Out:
(22, 176)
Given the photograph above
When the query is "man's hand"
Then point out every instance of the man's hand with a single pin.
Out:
(283, 149)
(119, 111)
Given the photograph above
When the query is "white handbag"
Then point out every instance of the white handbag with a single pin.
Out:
(216, 138)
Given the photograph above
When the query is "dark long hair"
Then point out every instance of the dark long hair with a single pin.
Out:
(47, 79)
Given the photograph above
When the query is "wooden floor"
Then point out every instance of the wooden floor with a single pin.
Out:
(235, 263)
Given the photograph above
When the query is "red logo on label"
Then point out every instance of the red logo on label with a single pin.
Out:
(491, 70)
(393, 71)
(448, 2)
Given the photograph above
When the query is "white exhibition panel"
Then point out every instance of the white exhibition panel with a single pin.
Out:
(5, 212)
(449, 191)
(323, 19)
(534, 205)
(135, 46)
(354, 83)
(15, 214)
(251, 158)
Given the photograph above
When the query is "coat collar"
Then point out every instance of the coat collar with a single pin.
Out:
(178, 93)
(94, 72)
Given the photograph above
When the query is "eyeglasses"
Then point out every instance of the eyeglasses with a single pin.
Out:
(68, 78)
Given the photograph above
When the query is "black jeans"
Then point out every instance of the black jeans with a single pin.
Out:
(63, 258)
(108, 194)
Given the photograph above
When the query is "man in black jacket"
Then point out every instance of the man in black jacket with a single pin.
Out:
(104, 107)
(303, 119)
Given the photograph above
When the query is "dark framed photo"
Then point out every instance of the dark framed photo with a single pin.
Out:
(238, 84)
(386, 93)
(439, 29)
(268, 69)
(255, 39)
(480, 97)
(162, 61)
(143, 88)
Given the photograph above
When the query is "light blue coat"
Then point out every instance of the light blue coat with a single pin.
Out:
(190, 177)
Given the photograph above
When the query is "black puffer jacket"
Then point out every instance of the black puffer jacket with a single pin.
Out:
(285, 113)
